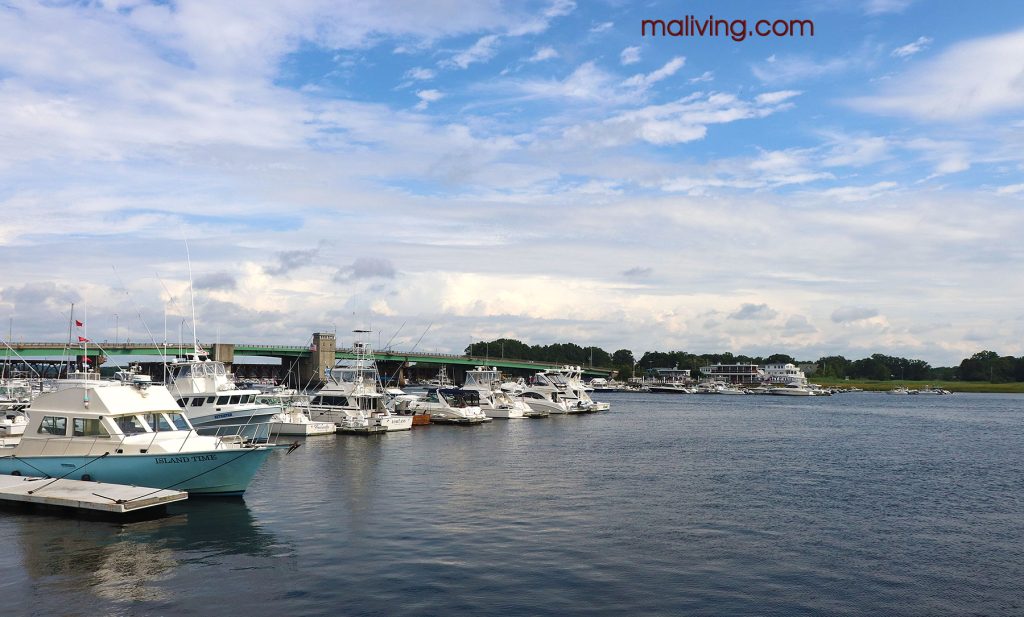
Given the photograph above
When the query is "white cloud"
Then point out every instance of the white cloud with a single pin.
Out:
(703, 77)
(629, 55)
(1010, 189)
(544, 53)
(667, 70)
(849, 314)
(420, 73)
(858, 193)
(678, 122)
(427, 97)
(789, 69)
(481, 51)
(978, 77)
(911, 48)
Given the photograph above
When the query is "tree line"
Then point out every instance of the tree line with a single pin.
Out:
(982, 366)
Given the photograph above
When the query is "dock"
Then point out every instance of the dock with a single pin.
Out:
(84, 495)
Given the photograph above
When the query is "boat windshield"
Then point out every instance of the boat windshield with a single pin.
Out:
(169, 421)
(131, 424)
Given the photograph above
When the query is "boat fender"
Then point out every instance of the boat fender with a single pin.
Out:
(15, 473)
(86, 477)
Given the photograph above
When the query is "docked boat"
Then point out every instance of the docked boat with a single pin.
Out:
(495, 402)
(670, 387)
(353, 399)
(129, 434)
(900, 391)
(547, 393)
(576, 392)
(448, 406)
(213, 404)
(791, 390)
(293, 418)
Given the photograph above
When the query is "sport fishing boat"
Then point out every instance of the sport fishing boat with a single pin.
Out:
(575, 389)
(495, 402)
(129, 434)
(353, 399)
(213, 403)
(448, 406)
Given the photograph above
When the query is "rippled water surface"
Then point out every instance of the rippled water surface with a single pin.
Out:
(853, 504)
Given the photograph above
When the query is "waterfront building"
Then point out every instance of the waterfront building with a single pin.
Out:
(733, 373)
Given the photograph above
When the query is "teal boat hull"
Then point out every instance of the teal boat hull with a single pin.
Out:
(211, 473)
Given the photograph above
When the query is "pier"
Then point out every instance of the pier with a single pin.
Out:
(84, 495)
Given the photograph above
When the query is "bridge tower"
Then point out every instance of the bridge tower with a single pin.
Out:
(320, 358)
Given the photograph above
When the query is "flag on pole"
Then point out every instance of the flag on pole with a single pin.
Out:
(78, 323)
(82, 339)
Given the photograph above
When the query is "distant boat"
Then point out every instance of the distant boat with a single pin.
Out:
(448, 406)
(495, 402)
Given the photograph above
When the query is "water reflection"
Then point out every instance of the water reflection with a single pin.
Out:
(137, 562)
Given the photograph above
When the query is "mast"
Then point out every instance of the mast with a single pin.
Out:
(192, 299)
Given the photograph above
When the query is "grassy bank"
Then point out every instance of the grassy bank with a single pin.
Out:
(952, 386)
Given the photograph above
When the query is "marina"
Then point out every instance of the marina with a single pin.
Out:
(662, 505)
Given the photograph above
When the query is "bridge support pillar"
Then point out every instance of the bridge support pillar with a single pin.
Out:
(321, 357)
(224, 352)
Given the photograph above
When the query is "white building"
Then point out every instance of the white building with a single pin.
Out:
(785, 374)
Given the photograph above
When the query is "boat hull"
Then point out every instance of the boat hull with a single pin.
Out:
(209, 473)
(302, 428)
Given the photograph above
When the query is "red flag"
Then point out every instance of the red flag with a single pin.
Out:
(78, 323)
(82, 339)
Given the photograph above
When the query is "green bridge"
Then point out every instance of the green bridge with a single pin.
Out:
(310, 361)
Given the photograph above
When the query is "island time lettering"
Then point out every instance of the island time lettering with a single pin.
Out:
(196, 458)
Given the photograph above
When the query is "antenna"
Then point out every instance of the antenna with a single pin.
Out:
(192, 299)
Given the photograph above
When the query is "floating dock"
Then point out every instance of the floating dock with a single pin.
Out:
(83, 495)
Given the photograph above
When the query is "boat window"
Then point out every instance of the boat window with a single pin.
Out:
(209, 401)
(88, 427)
(182, 402)
(235, 399)
(183, 371)
(131, 425)
(179, 421)
(197, 401)
(54, 425)
(251, 399)
(219, 368)
(223, 400)
(158, 422)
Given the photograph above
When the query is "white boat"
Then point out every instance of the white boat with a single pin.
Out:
(293, 418)
(575, 390)
(495, 402)
(128, 434)
(730, 389)
(933, 391)
(670, 387)
(547, 393)
(212, 402)
(447, 406)
(900, 391)
(791, 390)
(353, 399)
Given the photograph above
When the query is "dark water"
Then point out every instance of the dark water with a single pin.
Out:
(855, 504)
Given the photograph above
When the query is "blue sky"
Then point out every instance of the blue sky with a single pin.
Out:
(534, 170)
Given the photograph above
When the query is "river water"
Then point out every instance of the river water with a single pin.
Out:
(668, 504)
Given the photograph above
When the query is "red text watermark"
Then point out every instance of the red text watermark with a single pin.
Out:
(736, 29)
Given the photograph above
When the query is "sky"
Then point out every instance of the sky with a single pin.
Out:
(459, 170)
